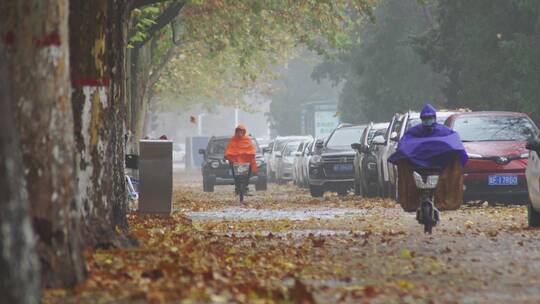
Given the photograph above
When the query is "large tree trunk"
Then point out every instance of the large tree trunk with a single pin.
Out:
(39, 75)
(97, 31)
(19, 279)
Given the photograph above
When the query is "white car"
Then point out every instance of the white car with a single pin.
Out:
(533, 182)
(298, 174)
(274, 155)
(285, 162)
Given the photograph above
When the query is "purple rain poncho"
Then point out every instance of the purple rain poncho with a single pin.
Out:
(430, 147)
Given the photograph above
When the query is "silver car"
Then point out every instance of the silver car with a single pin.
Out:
(299, 155)
(284, 163)
(275, 154)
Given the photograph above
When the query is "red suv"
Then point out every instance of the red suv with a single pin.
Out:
(495, 143)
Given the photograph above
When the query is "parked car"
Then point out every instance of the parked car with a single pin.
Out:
(217, 171)
(533, 182)
(284, 162)
(365, 162)
(331, 168)
(495, 143)
(267, 154)
(381, 151)
(298, 162)
(306, 160)
(275, 153)
(407, 121)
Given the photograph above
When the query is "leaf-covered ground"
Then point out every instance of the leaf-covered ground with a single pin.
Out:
(282, 246)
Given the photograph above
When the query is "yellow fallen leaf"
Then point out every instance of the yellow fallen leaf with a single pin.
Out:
(405, 284)
(405, 253)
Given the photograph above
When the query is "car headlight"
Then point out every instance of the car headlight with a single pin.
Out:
(316, 159)
(473, 155)
(214, 164)
(524, 155)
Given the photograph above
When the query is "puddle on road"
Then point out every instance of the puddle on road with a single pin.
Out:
(297, 233)
(269, 214)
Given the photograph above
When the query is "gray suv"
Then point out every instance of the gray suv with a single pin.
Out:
(331, 166)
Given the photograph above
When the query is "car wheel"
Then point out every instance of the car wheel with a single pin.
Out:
(316, 191)
(533, 216)
(208, 186)
(261, 184)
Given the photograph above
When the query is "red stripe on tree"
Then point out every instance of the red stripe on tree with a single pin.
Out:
(90, 81)
(47, 40)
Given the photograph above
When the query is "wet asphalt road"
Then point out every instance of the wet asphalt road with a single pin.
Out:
(369, 250)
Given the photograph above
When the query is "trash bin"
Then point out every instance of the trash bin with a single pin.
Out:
(155, 177)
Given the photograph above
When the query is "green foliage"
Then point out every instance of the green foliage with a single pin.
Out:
(226, 48)
(382, 72)
(488, 51)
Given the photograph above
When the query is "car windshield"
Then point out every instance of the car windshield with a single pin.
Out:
(416, 121)
(343, 138)
(218, 146)
(494, 128)
(279, 144)
(290, 147)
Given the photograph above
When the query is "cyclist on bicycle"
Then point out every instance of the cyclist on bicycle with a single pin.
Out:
(241, 149)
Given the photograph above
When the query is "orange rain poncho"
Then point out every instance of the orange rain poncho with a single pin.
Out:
(241, 150)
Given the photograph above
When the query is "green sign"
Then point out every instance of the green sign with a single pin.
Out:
(325, 122)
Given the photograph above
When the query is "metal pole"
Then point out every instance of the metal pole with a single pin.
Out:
(199, 124)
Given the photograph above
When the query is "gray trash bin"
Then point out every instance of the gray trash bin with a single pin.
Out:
(155, 177)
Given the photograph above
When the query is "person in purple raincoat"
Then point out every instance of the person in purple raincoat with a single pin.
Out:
(430, 144)
(433, 146)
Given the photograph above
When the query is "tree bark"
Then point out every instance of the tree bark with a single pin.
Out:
(98, 30)
(19, 282)
(39, 76)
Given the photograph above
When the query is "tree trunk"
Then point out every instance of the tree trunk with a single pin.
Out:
(97, 30)
(19, 282)
(39, 76)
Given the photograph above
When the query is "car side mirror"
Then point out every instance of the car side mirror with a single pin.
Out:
(378, 140)
(319, 144)
(533, 145)
(202, 151)
(356, 146)
(278, 154)
(364, 149)
(266, 150)
(394, 136)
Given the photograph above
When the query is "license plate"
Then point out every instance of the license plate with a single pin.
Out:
(502, 180)
(343, 168)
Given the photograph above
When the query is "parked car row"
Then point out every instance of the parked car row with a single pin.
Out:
(503, 150)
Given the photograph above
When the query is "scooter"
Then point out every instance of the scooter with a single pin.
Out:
(427, 214)
(241, 172)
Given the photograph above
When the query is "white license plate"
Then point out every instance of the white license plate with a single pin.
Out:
(502, 180)
(343, 168)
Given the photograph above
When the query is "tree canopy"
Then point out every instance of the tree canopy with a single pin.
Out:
(224, 48)
(488, 52)
(382, 72)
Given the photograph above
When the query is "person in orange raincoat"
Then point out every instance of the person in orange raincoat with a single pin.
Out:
(241, 148)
